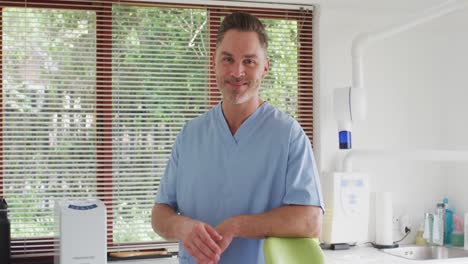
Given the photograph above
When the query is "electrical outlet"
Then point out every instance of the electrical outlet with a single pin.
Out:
(405, 224)
(396, 223)
(401, 223)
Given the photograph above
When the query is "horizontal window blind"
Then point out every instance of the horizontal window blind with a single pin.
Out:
(49, 121)
(160, 67)
(95, 92)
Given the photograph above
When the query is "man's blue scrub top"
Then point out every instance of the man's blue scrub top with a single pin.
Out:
(213, 175)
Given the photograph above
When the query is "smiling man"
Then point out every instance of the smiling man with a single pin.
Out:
(242, 171)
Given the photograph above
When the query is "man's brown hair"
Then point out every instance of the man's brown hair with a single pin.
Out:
(243, 22)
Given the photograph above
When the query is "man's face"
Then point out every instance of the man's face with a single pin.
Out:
(240, 66)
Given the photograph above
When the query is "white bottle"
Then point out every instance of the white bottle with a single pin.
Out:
(466, 231)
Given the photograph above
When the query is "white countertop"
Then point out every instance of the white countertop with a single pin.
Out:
(370, 255)
(356, 255)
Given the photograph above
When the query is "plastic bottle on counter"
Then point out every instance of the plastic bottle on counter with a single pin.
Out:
(420, 241)
(5, 254)
(466, 231)
(456, 238)
(439, 225)
(448, 222)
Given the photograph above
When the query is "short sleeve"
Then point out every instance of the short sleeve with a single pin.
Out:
(167, 192)
(302, 179)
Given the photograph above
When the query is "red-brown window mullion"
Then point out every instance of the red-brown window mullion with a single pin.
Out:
(214, 20)
(53, 4)
(305, 84)
(104, 111)
(1, 102)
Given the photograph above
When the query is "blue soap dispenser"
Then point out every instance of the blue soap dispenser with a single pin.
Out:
(448, 222)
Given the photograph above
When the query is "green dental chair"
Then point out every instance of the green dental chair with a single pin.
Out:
(282, 250)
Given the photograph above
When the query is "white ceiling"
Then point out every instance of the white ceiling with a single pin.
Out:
(408, 5)
(378, 5)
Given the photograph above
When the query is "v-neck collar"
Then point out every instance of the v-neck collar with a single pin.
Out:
(244, 128)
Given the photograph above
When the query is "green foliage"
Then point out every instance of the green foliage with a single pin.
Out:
(281, 84)
(160, 64)
(49, 145)
(160, 74)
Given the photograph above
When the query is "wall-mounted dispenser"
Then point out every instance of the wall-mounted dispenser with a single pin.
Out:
(346, 196)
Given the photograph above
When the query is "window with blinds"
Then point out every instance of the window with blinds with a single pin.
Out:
(94, 94)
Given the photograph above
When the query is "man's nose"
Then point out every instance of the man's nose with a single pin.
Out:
(238, 70)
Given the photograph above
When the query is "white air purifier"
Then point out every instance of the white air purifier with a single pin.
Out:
(81, 227)
(346, 197)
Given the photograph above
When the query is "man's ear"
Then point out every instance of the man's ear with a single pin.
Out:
(266, 68)
(213, 60)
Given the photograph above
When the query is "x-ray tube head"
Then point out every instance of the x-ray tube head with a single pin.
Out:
(349, 105)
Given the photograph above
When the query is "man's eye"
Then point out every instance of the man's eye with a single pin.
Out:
(249, 62)
(227, 59)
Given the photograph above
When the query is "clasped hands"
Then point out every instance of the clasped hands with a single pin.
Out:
(205, 243)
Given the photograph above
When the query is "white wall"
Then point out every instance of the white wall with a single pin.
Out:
(416, 84)
(455, 112)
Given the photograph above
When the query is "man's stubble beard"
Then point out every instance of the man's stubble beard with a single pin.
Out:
(230, 95)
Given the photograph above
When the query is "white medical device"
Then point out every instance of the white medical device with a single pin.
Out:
(350, 103)
(81, 227)
(347, 206)
(346, 197)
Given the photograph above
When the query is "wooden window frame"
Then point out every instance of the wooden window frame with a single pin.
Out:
(104, 89)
